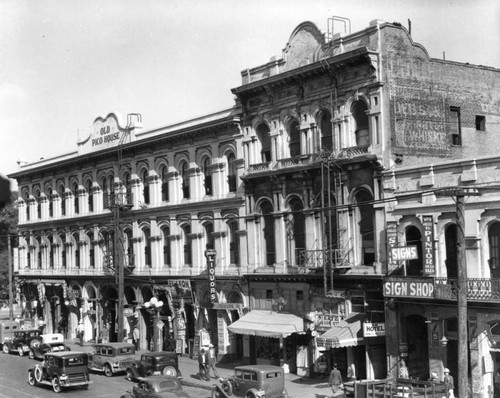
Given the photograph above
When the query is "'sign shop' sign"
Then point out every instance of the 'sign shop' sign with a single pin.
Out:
(409, 287)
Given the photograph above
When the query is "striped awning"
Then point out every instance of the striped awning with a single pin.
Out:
(347, 333)
(267, 324)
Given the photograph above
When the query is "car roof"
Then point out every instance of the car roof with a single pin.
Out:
(159, 354)
(64, 354)
(260, 368)
(115, 345)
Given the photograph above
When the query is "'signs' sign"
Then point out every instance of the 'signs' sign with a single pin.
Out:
(404, 253)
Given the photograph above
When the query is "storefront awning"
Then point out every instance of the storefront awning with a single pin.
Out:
(347, 333)
(267, 324)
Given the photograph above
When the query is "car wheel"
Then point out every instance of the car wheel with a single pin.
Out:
(227, 387)
(250, 394)
(56, 385)
(38, 374)
(130, 375)
(215, 393)
(31, 378)
(169, 371)
(5, 349)
(20, 350)
(35, 343)
(31, 354)
(108, 371)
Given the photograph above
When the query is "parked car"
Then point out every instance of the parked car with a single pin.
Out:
(50, 342)
(252, 381)
(7, 329)
(155, 363)
(112, 358)
(22, 341)
(61, 370)
(157, 387)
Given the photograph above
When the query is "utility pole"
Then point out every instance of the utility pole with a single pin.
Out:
(459, 195)
(11, 293)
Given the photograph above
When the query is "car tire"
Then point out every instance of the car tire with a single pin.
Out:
(108, 371)
(38, 374)
(250, 394)
(31, 354)
(20, 350)
(215, 393)
(35, 343)
(227, 387)
(56, 385)
(31, 378)
(5, 349)
(169, 371)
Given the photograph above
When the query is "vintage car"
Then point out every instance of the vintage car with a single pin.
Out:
(112, 358)
(22, 341)
(7, 329)
(155, 363)
(253, 381)
(157, 387)
(51, 342)
(61, 370)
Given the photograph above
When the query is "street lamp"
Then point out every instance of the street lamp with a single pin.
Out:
(154, 305)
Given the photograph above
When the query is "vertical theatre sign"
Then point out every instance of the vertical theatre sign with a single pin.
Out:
(212, 291)
(428, 224)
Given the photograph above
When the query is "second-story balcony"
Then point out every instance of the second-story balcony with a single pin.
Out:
(320, 258)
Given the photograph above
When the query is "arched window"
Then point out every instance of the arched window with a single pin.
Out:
(360, 117)
(296, 227)
(414, 238)
(164, 184)
(187, 244)
(129, 248)
(365, 219)
(90, 238)
(145, 186)
(90, 196)
(51, 252)
(265, 142)
(38, 253)
(105, 193)
(234, 243)
(209, 238)
(185, 180)
(63, 251)
(48, 194)
(147, 247)
(26, 198)
(167, 261)
(494, 246)
(75, 198)
(76, 238)
(207, 176)
(268, 232)
(39, 205)
(294, 136)
(450, 237)
(231, 172)
(62, 198)
(326, 131)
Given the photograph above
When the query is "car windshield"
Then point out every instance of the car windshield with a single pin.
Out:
(167, 385)
(272, 375)
(125, 351)
(76, 361)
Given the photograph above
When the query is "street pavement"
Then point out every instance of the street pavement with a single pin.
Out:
(296, 386)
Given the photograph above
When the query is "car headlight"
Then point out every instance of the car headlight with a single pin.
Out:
(63, 377)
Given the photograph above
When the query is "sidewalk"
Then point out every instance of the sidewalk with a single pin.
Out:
(296, 386)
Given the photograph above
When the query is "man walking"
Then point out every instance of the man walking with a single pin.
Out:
(449, 382)
(212, 360)
(335, 379)
(202, 364)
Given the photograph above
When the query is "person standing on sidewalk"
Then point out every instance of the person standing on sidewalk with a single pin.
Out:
(335, 379)
(212, 360)
(202, 364)
(80, 332)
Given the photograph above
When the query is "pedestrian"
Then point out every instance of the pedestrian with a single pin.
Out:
(403, 370)
(80, 332)
(202, 365)
(449, 382)
(135, 337)
(496, 384)
(212, 360)
(335, 380)
(351, 372)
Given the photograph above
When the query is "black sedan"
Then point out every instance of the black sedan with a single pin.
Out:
(157, 387)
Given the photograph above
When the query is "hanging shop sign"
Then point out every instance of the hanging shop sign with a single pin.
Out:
(402, 253)
(178, 289)
(212, 291)
(428, 224)
(409, 287)
(392, 241)
(325, 321)
(373, 329)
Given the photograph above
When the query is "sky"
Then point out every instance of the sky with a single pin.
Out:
(65, 63)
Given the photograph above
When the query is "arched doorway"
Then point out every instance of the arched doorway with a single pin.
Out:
(109, 299)
(236, 339)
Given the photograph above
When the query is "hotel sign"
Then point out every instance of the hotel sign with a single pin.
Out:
(409, 287)
(373, 329)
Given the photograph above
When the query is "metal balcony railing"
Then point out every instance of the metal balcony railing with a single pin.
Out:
(319, 258)
(478, 289)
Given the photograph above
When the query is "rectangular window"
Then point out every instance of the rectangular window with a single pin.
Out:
(480, 123)
(300, 295)
(455, 127)
(269, 294)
